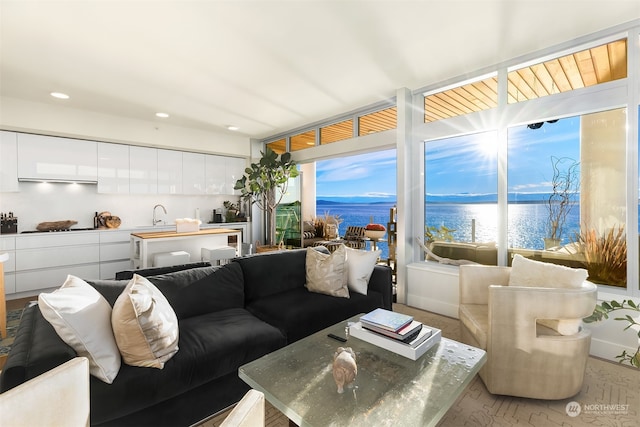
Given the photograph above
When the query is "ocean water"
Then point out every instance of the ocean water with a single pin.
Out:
(359, 214)
(471, 221)
(527, 223)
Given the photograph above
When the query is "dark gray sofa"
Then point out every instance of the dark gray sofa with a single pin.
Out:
(228, 316)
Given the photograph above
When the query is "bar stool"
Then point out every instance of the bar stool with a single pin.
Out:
(219, 255)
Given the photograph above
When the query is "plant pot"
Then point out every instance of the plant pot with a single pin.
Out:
(268, 248)
(551, 243)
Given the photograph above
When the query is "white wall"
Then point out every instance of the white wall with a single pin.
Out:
(23, 116)
(40, 202)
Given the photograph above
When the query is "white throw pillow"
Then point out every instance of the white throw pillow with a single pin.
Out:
(562, 326)
(82, 318)
(145, 325)
(359, 268)
(327, 273)
(527, 272)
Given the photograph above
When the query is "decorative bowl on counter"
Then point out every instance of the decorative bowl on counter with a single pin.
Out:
(375, 231)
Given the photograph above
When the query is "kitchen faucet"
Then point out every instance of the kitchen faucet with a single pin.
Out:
(155, 221)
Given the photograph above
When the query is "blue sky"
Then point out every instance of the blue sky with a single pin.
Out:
(460, 165)
(367, 177)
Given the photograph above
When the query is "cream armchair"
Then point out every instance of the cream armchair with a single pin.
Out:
(59, 397)
(525, 358)
(249, 412)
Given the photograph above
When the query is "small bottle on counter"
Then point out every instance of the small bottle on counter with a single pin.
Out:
(95, 221)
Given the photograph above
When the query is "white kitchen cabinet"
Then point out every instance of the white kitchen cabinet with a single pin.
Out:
(7, 246)
(113, 168)
(215, 174)
(8, 162)
(193, 173)
(234, 170)
(169, 172)
(43, 260)
(48, 158)
(143, 170)
(114, 252)
(36, 281)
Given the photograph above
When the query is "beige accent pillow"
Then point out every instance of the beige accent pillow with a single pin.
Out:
(81, 316)
(359, 268)
(145, 325)
(327, 273)
(562, 326)
(527, 272)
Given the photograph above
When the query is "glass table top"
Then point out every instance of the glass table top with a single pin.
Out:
(389, 389)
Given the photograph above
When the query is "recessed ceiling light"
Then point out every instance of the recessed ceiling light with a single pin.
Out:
(162, 115)
(59, 95)
(233, 127)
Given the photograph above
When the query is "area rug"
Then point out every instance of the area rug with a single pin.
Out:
(13, 320)
(610, 396)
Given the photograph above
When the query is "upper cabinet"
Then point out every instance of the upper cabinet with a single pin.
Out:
(8, 161)
(116, 168)
(113, 168)
(234, 171)
(143, 170)
(193, 173)
(215, 174)
(169, 172)
(222, 173)
(48, 158)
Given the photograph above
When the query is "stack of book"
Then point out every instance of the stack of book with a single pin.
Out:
(396, 332)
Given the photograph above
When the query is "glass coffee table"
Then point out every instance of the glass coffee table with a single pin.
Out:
(389, 389)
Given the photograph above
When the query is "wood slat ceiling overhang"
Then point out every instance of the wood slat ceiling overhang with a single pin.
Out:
(586, 68)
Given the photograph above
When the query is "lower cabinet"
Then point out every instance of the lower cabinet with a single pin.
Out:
(51, 278)
(42, 262)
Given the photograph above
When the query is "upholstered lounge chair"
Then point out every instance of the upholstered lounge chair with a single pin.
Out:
(249, 412)
(354, 237)
(525, 358)
(59, 397)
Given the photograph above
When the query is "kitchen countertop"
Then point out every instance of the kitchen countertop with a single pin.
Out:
(169, 233)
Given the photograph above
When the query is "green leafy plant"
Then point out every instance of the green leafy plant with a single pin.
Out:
(265, 183)
(602, 312)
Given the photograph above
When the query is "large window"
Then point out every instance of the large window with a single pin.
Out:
(461, 183)
(567, 193)
(359, 189)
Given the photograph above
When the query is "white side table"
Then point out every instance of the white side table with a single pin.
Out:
(3, 306)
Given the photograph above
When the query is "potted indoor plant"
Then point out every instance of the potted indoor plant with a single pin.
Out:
(265, 183)
(565, 184)
(602, 311)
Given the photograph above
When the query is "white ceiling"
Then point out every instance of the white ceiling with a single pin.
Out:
(268, 66)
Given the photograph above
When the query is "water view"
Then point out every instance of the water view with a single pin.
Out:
(527, 221)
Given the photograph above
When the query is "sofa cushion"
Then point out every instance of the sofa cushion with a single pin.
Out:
(528, 272)
(144, 325)
(82, 318)
(264, 277)
(170, 284)
(327, 273)
(299, 313)
(221, 289)
(475, 317)
(211, 346)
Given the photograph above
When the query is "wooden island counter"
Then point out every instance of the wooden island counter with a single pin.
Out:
(145, 245)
